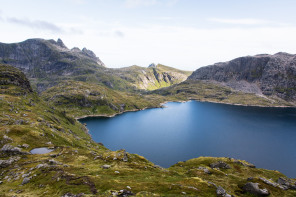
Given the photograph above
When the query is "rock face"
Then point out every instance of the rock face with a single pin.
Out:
(220, 164)
(12, 76)
(253, 188)
(260, 74)
(43, 59)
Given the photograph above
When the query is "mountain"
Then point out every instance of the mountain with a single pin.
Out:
(78, 166)
(268, 75)
(47, 62)
(153, 77)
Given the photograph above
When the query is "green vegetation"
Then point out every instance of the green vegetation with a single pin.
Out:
(214, 92)
(77, 164)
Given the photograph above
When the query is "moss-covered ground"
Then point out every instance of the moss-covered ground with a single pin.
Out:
(79, 165)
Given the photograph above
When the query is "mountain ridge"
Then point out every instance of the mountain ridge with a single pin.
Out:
(269, 75)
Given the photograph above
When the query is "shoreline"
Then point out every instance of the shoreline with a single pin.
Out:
(179, 101)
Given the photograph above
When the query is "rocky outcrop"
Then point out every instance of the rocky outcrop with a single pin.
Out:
(220, 164)
(253, 188)
(11, 150)
(49, 61)
(260, 74)
(12, 76)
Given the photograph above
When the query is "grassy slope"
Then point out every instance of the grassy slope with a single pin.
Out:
(81, 99)
(27, 119)
(213, 92)
(144, 78)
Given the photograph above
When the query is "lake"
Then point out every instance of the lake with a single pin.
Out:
(265, 137)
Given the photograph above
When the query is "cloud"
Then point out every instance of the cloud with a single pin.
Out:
(79, 2)
(37, 24)
(119, 34)
(242, 21)
(137, 3)
(145, 3)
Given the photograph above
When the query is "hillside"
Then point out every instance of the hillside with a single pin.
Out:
(84, 99)
(268, 75)
(153, 77)
(79, 166)
(47, 62)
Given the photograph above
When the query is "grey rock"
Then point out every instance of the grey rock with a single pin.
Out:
(73, 195)
(286, 183)
(206, 170)
(220, 164)
(11, 150)
(221, 192)
(125, 157)
(26, 180)
(8, 162)
(253, 188)
(106, 166)
(54, 162)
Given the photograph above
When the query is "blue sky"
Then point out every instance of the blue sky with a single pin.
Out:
(185, 34)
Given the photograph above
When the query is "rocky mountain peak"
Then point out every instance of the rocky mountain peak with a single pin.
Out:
(88, 53)
(153, 65)
(61, 43)
(76, 49)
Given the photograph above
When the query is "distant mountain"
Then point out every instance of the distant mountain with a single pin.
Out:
(269, 75)
(47, 62)
(153, 77)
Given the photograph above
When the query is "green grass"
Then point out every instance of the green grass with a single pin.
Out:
(78, 171)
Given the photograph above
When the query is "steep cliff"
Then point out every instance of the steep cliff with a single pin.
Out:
(270, 75)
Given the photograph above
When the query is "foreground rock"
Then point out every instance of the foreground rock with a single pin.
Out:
(253, 188)
(220, 164)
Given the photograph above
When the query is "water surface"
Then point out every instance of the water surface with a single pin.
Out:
(40, 150)
(263, 136)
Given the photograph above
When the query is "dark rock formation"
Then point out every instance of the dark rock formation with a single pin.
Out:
(49, 60)
(12, 76)
(253, 188)
(261, 74)
(11, 150)
(220, 164)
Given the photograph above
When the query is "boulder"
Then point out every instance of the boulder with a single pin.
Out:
(253, 188)
(8, 162)
(26, 180)
(106, 166)
(11, 150)
(221, 192)
(220, 164)
(286, 184)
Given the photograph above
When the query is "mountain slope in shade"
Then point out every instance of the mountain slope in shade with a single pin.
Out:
(48, 62)
(269, 75)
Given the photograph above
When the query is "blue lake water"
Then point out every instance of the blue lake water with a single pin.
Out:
(265, 137)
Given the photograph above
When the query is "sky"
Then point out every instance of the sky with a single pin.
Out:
(185, 34)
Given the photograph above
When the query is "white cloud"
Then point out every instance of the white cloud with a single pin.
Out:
(145, 3)
(137, 3)
(242, 21)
